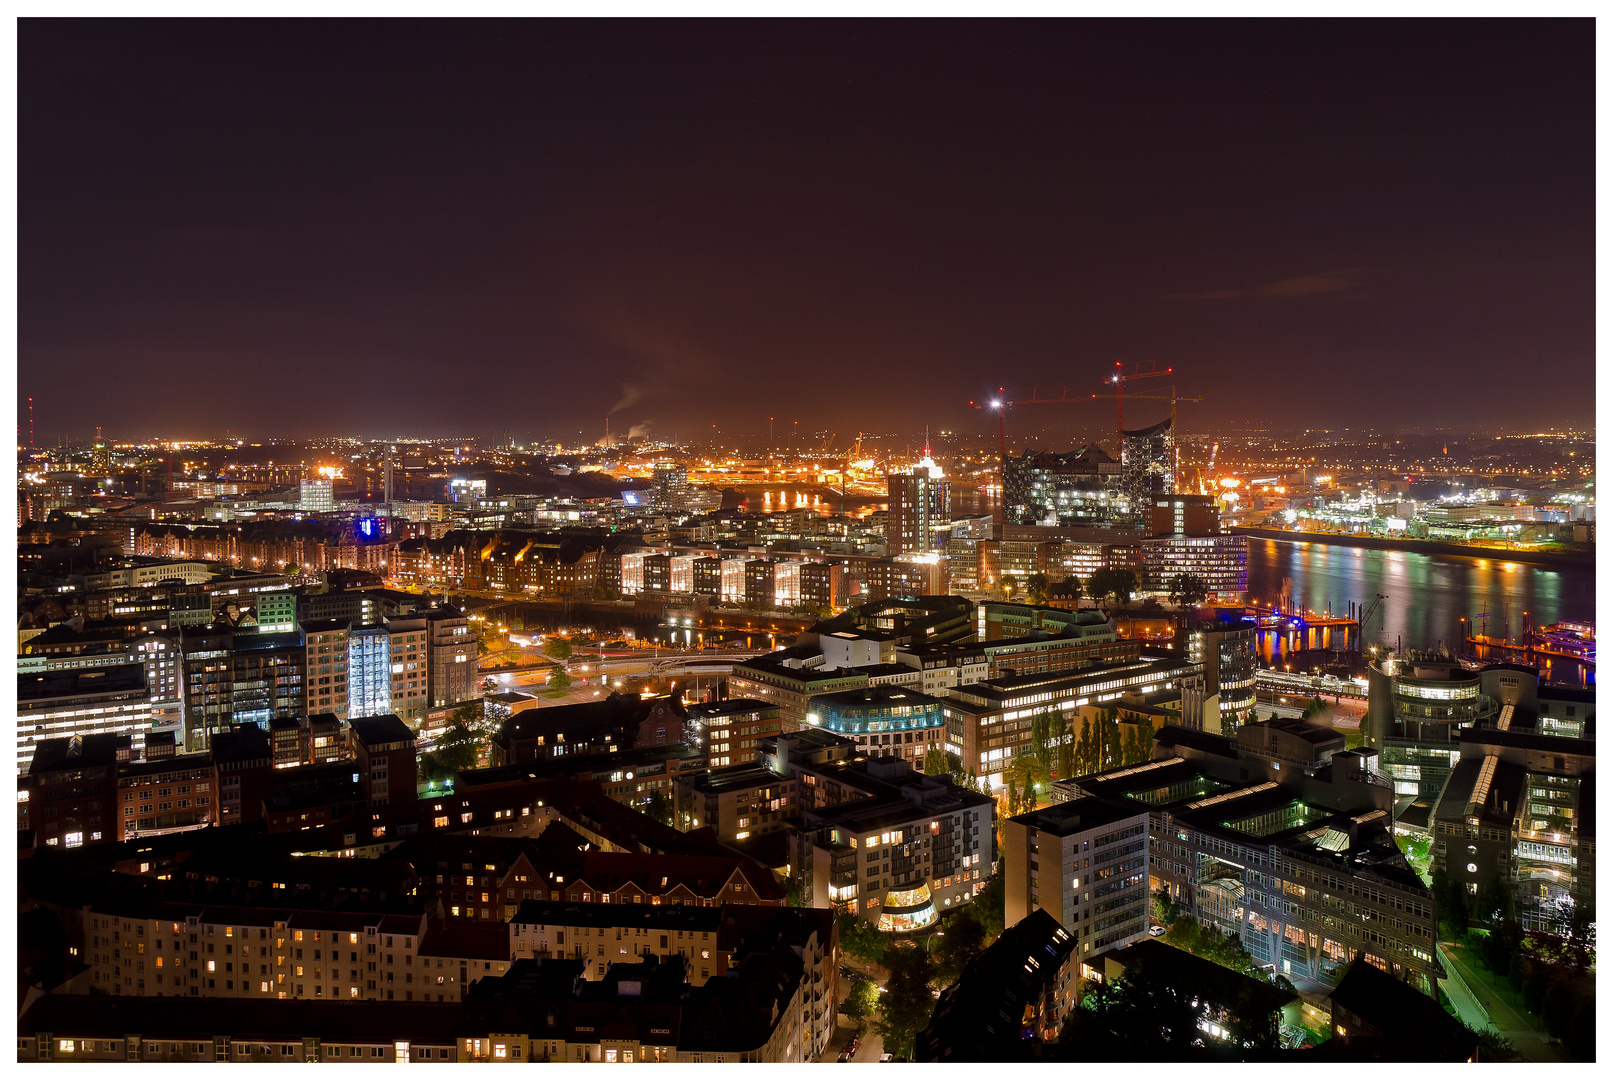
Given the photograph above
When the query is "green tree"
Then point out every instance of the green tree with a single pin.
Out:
(963, 938)
(1066, 762)
(1450, 900)
(989, 904)
(557, 647)
(1494, 907)
(860, 938)
(291, 569)
(907, 1003)
(660, 807)
(935, 762)
(456, 750)
(1036, 588)
(861, 1003)
(559, 679)
(1187, 590)
(1073, 588)
(1166, 910)
(1312, 707)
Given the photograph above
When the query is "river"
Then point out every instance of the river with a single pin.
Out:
(1426, 596)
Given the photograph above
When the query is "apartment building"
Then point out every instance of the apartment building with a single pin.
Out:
(1085, 863)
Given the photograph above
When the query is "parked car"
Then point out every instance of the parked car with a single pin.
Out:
(885, 1057)
(851, 1047)
(1156, 931)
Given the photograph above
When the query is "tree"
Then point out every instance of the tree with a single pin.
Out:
(860, 938)
(1187, 590)
(1166, 910)
(457, 749)
(1312, 707)
(1118, 582)
(291, 569)
(935, 762)
(1494, 907)
(1450, 899)
(660, 807)
(559, 679)
(989, 904)
(557, 647)
(1036, 588)
(907, 1003)
(862, 1002)
(964, 939)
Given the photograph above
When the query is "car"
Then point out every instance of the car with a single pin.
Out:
(851, 1047)
(886, 1057)
(843, 1058)
(1155, 931)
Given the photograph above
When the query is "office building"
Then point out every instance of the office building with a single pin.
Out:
(1226, 651)
(883, 721)
(669, 487)
(1085, 863)
(1283, 837)
(369, 670)
(317, 496)
(920, 518)
(75, 704)
(989, 723)
(383, 755)
(1519, 807)
(1148, 466)
(1417, 705)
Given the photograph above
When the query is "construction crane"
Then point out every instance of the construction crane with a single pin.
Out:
(1367, 614)
(1120, 378)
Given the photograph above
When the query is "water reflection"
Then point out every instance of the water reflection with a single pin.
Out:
(1426, 596)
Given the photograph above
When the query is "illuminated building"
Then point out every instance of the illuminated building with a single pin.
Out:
(328, 666)
(790, 678)
(1085, 863)
(316, 495)
(1416, 707)
(454, 663)
(1227, 653)
(1147, 466)
(669, 488)
(1222, 561)
(1077, 488)
(920, 516)
(892, 846)
(1516, 805)
(989, 722)
(730, 731)
(277, 612)
(1283, 837)
(410, 665)
(883, 721)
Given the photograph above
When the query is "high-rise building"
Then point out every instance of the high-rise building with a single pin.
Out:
(369, 670)
(454, 664)
(1148, 466)
(1227, 652)
(669, 487)
(920, 518)
(1084, 862)
(316, 495)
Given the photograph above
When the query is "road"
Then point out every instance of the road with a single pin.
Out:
(1484, 1010)
(870, 1047)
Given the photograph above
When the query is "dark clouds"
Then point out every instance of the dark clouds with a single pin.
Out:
(418, 227)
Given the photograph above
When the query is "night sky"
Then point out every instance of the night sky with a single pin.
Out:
(421, 228)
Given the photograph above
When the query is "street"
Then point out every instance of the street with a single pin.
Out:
(1482, 1010)
(870, 1047)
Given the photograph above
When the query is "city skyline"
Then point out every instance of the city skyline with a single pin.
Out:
(687, 224)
